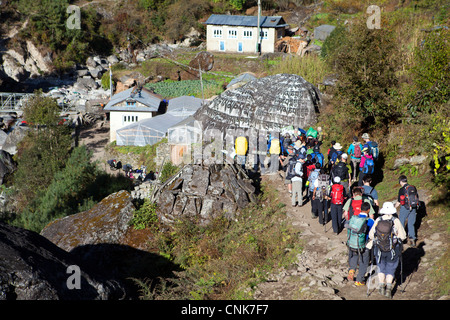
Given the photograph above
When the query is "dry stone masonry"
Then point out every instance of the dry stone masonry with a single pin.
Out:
(205, 193)
(269, 104)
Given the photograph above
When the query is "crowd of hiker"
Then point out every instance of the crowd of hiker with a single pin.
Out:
(341, 189)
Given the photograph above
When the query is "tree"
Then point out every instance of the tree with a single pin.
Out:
(41, 110)
(431, 71)
(366, 68)
(42, 152)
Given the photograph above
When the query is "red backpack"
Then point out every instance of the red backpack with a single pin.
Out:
(357, 151)
(355, 207)
(337, 194)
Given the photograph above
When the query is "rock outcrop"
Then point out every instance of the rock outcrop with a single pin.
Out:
(106, 222)
(205, 193)
(269, 103)
(33, 268)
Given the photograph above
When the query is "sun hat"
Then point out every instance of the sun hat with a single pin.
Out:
(365, 136)
(388, 208)
(337, 179)
(344, 156)
(337, 146)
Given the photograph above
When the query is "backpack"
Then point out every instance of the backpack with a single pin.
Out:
(274, 146)
(312, 178)
(310, 169)
(339, 171)
(412, 197)
(241, 146)
(323, 185)
(291, 170)
(337, 194)
(357, 151)
(374, 151)
(319, 157)
(335, 155)
(355, 207)
(369, 197)
(384, 235)
(356, 233)
(368, 166)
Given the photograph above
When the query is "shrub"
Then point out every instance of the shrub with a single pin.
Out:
(145, 216)
(168, 170)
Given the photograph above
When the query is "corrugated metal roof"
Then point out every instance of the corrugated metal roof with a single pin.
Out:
(145, 97)
(246, 21)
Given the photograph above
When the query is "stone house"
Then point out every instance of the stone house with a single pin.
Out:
(233, 33)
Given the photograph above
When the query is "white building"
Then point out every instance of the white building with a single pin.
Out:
(229, 33)
(132, 105)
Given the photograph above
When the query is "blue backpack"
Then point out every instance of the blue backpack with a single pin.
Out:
(336, 155)
(374, 151)
(312, 178)
(368, 166)
(319, 157)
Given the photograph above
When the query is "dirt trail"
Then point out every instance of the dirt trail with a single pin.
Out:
(321, 270)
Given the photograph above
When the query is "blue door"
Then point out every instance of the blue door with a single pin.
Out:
(240, 47)
(222, 46)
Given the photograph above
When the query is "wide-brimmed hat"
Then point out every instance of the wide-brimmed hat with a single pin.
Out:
(365, 136)
(337, 146)
(388, 208)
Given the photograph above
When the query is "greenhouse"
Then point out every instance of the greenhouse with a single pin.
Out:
(152, 130)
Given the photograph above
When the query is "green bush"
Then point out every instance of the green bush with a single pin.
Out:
(144, 216)
(168, 170)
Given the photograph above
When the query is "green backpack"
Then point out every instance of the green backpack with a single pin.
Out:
(356, 233)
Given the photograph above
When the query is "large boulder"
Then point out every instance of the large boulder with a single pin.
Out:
(7, 165)
(106, 222)
(33, 268)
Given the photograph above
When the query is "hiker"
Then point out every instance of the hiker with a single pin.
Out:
(319, 135)
(340, 170)
(287, 141)
(285, 161)
(241, 148)
(336, 156)
(370, 193)
(386, 237)
(408, 200)
(308, 167)
(330, 154)
(296, 176)
(353, 205)
(274, 150)
(311, 183)
(366, 166)
(337, 201)
(355, 152)
(358, 228)
(372, 145)
(317, 155)
(320, 198)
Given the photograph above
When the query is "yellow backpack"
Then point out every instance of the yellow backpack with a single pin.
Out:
(275, 146)
(241, 146)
